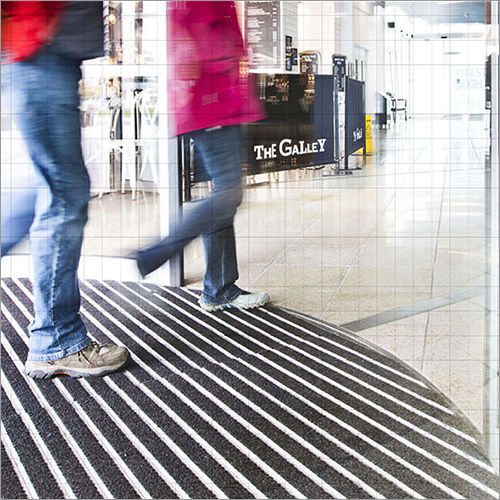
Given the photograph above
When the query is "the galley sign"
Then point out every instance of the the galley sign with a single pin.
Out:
(287, 147)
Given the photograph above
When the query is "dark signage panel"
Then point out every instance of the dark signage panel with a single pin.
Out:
(323, 117)
(339, 70)
(309, 62)
(355, 124)
(298, 130)
(263, 32)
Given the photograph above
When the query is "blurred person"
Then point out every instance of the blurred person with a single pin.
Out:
(43, 45)
(209, 97)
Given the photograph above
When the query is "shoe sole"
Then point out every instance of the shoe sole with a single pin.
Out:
(97, 372)
(221, 307)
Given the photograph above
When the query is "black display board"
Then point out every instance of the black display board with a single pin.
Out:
(339, 70)
(263, 35)
(298, 130)
(355, 126)
(323, 117)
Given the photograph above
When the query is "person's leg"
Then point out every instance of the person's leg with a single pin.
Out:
(221, 271)
(222, 159)
(45, 90)
(219, 149)
(213, 218)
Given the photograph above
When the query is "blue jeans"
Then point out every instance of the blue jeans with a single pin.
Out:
(44, 92)
(212, 217)
(18, 211)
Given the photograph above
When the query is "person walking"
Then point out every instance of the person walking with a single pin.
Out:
(210, 96)
(43, 45)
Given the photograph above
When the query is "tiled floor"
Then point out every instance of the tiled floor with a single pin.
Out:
(408, 227)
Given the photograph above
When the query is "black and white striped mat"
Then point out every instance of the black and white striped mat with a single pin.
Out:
(228, 405)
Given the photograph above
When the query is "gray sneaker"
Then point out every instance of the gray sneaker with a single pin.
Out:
(245, 300)
(93, 361)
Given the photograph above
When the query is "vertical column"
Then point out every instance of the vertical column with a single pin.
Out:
(171, 273)
(491, 410)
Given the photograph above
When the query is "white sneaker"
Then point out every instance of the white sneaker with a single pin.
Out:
(245, 300)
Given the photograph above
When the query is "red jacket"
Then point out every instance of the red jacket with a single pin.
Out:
(27, 27)
(208, 80)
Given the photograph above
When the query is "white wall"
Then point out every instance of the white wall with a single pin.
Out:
(332, 27)
(399, 63)
(449, 76)
(368, 37)
(317, 31)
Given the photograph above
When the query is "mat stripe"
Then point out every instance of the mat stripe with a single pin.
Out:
(324, 434)
(428, 435)
(31, 428)
(298, 465)
(88, 421)
(78, 453)
(174, 333)
(17, 467)
(237, 404)
(477, 462)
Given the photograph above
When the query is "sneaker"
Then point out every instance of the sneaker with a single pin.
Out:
(245, 300)
(93, 361)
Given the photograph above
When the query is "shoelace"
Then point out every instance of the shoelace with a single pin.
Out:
(93, 346)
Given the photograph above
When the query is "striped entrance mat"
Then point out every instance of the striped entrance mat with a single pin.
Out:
(237, 404)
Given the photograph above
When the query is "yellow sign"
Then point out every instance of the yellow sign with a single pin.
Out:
(370, 149)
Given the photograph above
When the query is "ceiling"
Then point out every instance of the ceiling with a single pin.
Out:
(444, 12)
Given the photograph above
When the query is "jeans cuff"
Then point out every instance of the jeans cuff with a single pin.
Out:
(44, 358)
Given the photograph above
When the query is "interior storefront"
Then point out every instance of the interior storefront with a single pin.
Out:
(399, 244)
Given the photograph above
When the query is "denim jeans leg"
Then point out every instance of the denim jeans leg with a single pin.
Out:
(221, 266)
(45, 90)
(212, 217)
(220, 150)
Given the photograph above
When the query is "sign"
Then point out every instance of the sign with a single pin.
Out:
(298, 130)
(370, 149)
(339, 69)
(309, 62)
(263, 34)
(288, 147)
(323, 117)
(355, 125)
